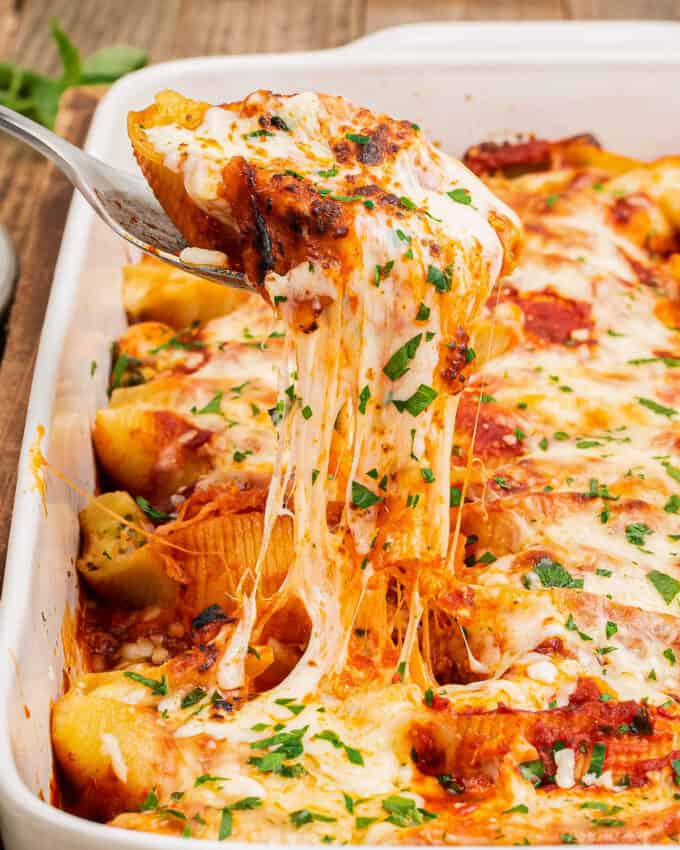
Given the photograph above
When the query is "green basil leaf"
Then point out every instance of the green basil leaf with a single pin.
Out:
(110, 63)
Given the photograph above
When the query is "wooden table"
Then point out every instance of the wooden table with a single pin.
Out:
(34, 197)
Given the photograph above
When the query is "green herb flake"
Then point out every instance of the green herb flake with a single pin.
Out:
(362, 497)
(533, 771)
(655, 407)
(597, 759)
(213, 406)
(440, 278)
(553, 574)
(397, 365)
(151, 512)
(460, 196)
(521, 809)
(421, 399)
(357, 138)
(157, 687)
(207, 777)
(301, 817)
(666, 586)
(423, 312)
(194, 696)
(637, 532)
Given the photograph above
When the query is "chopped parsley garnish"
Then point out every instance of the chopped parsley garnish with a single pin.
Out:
(407, 203)
(151, 512)
(521, 809)
(150, 803)
(239, 389)
(487, 558)
(194, 696)
(176, 342)
(240, 456)
(655, 407)
(403, 811)
(460, 196)
(597, 759)
(330, 172)
(533, 770)
(455, 496)
(672, 506)
(671, 470)
(213, 406)
(568, 838)
(257, 134)
(397, 365)
(226, 822)
(381, 272)
(118, 370)
(553, 574)
(551, 200)
(353, 755)
(667, 587)
(288, 746)
(358, 138)
(421, 399)
(611, 629)
(364, 397)
(637, 532)
(543, 443)
(403, 237)
(669, 655)
(427, 474)
(671, 362)
(440, 278)
(289, 703)
(362, 497)
(307, 412)
(423, 312)
(428, 697)
(304, 816)
(364, 823)
(157, 688)
(207, 777)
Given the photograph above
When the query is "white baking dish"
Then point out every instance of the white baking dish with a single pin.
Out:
(462, 83)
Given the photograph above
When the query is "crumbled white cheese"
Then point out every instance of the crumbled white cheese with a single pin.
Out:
(566, 763)
(203, 257)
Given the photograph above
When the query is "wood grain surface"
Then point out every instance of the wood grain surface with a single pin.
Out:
(34, 197)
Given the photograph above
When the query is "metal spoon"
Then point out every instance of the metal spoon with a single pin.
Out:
(123, 201)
